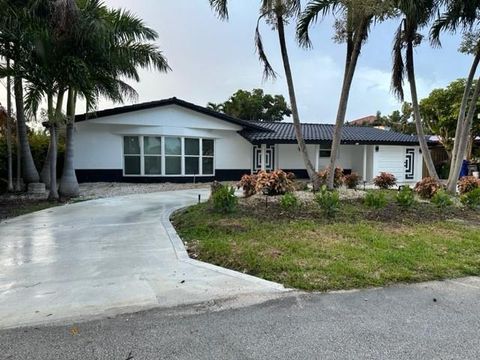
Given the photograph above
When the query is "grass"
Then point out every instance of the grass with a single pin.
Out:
(359, 248)
(10, 209)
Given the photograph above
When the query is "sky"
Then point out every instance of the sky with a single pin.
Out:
(211, 59)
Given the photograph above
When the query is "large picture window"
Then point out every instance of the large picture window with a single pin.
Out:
(168, 156)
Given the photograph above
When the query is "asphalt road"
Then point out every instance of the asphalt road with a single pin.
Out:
(439, 320)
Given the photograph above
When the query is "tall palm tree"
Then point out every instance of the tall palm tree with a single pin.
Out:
(14, 34)
(355, 19)
(112, 45)
(461, 15)
(415, 15)
(277, 13)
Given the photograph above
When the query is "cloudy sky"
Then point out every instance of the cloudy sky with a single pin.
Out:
(211, 59)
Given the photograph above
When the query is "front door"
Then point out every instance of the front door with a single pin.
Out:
(410, 164)
(269, 158)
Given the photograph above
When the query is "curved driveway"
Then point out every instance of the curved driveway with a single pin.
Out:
(104, 257)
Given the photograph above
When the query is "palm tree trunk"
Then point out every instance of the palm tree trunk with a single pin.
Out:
(9, 132)
(293, 102)
(463, 139)
(30, 173)
(53, 193)
(427, 156)
(45, 172)
(344, 97)
(69, 183)
(452, 180)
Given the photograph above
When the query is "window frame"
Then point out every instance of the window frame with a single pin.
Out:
(164, 156)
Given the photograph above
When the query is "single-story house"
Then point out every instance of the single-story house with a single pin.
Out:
(177, 141)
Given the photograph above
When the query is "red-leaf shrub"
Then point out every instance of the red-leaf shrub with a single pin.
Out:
(385, 180)
(248, 183)
(427, 187)
(352, 180)
(467, 184)
(276, 182)
(337, 180)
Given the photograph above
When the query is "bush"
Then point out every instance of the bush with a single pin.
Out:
(337, 180)
(467, 184)
(248, 183)
(441, 199)
(352, 180)
(471, 199)
(289, 201)
(375, 199)
(385, 180)
(405, 197)
(224, 199)
(427, 187)
(276, 182)
(329, 201)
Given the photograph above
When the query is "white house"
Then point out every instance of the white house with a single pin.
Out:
(173, 140)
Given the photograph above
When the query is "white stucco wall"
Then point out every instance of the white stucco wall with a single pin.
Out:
(99, 142)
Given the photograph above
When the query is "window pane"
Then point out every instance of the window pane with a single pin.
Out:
(207, 147)
(192, 147)
(325, 153)
(192, 166)
(173, 146)
(173, 165)
(132, 165)
(207, 164)
(153, 165)
(131, 145)
(152, 145)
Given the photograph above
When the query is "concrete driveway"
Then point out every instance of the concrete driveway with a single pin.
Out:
(104, 257)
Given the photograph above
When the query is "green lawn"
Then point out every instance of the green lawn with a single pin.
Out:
(358, 248)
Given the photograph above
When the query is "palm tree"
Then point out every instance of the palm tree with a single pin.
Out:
(14, 25)
(277, 13)
(355, 19)
(112, 45)
(415, 15)
(463, 15)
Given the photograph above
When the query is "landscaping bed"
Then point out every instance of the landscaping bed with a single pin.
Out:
(357, 247)
(16, 206)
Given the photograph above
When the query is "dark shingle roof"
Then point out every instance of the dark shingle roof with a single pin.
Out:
(166, 102)
(279, 132)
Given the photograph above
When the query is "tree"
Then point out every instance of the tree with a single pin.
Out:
(277, 13)
(111, 44)
(399, 120)
(464, 15)
(15, 28)
(254, 105)
(415, 14)
(354, 19)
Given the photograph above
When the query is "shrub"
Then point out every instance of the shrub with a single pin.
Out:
(471, 199)
(337, 180)
(405, 197)
(467, 184)
(352, 180)
(329, 201)
(427, 187)
(276, 182)
(248, 183)
(224, 199)
(385, 180)
(289, 201)
(214, 187)
(441, 199)
(375, 199)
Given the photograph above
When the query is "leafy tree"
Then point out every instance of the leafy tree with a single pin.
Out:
(399, 120)
(254, 105)
(277, 13)
(354, 19)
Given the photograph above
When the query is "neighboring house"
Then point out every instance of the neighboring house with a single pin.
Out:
(173, 140)
(371, 120)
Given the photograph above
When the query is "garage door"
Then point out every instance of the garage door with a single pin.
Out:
(397, 160)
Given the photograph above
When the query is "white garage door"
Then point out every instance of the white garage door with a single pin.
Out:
(397, 160)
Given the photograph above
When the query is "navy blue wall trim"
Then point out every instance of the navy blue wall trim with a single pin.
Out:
(117, 176)
(299, 173)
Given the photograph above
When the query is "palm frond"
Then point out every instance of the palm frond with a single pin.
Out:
(398, 68)
(268, 71)
(310, 15)
(220, 7)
